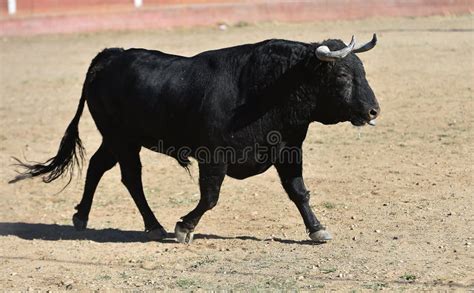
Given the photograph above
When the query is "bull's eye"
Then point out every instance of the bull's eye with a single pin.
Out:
(343, 79)
(344, 76)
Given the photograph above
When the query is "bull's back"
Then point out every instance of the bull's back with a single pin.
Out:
(156, 96)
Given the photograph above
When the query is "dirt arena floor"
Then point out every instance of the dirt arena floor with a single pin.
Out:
(398, 197)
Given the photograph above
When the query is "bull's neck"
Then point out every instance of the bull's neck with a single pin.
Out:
(303, 84)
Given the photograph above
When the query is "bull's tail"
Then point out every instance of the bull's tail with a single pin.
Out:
(69, 156)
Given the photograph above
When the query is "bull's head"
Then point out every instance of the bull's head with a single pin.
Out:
(344, 93)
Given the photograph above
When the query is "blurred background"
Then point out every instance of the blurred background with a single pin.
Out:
(56, 16)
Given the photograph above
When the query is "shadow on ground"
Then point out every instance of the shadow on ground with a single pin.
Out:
(54, 232)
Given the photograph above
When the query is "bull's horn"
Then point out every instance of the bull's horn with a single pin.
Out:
(366, 46)
(323, 53)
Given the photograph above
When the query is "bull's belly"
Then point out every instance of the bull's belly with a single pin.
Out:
(237, 170)
(247, 169)
(240, 164)
(240, 170)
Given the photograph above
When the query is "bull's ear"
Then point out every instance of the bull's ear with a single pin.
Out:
(270, 74)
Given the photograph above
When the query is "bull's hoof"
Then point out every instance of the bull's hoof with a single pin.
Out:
(79, 225)
(157, 234)
(320, 236)
(183, 234)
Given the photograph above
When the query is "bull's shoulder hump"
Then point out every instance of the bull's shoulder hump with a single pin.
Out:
(282, 48)
(236, 51)
(155, 53)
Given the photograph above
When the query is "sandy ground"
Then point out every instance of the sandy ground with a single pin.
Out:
(398, 198)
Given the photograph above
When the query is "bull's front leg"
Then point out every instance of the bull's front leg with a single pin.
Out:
(210, 181)
(290, 173)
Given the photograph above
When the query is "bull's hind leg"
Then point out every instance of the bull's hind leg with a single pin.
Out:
(102, 161)
(131, 169)
(210, 181)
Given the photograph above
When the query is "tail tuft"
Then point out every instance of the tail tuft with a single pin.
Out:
(69, 156)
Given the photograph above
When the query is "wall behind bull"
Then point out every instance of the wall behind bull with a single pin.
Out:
(66, 16)
(42, 7)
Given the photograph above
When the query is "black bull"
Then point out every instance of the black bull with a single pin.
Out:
(237, 111)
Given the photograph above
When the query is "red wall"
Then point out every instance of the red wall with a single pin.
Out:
(42, 7)
(67, 16)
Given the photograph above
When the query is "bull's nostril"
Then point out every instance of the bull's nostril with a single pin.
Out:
(373, 113)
